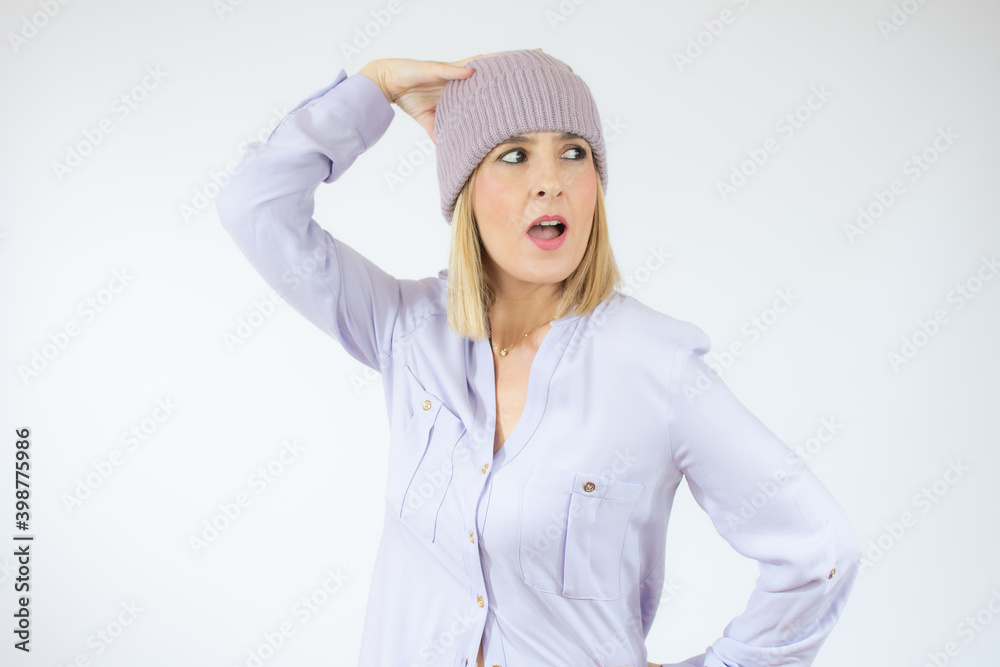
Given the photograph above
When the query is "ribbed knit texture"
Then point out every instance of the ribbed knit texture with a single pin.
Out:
(511, 93)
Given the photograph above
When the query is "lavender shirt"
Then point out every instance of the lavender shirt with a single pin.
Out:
(551, 551)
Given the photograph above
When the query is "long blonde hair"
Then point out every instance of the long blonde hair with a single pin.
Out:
(470, 294)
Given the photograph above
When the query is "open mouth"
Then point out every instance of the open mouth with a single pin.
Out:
(548, 230)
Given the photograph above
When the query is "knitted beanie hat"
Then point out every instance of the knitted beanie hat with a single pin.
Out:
(510, 93)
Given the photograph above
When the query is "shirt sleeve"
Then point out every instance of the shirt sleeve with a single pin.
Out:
(764, 501)
(268, 204)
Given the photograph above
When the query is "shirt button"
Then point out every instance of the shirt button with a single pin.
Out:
(481, 601)
(832, 572)
(588, 487)
(427, 405)
(472, 538)
(485, 467)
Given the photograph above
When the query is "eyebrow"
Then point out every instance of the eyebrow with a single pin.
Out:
(521, 139)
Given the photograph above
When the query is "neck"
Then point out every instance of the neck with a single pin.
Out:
(520, 308)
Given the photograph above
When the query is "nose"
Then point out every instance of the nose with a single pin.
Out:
(547, 181)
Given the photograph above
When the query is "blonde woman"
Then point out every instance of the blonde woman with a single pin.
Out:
(540, 420)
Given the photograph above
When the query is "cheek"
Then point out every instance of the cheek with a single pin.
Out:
(491, 199)
(585, 195)
(489, 191)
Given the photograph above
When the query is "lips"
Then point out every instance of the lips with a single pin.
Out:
(554, 227)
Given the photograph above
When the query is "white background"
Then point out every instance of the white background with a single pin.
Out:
(229, 72)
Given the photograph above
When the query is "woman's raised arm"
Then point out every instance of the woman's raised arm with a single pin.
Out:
(268, 204)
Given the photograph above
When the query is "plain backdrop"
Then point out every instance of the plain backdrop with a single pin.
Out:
(822, 176)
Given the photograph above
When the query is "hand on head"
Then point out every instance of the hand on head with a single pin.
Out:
(417, 85)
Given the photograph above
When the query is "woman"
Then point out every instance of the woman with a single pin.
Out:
(541, 421)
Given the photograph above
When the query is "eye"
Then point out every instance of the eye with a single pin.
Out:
(581, 152)
(503, 158)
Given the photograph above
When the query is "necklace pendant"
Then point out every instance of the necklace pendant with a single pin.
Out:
(503, 352)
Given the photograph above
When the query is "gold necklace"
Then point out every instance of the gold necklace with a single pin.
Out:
(503, 352)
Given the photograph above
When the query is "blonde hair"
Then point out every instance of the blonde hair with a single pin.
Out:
(470, 294)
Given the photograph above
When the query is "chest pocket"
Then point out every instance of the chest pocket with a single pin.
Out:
(572, 532)
(420, 462)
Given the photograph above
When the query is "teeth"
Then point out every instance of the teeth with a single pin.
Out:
(549, 223)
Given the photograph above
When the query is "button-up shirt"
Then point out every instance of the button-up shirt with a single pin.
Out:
(551, 550)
